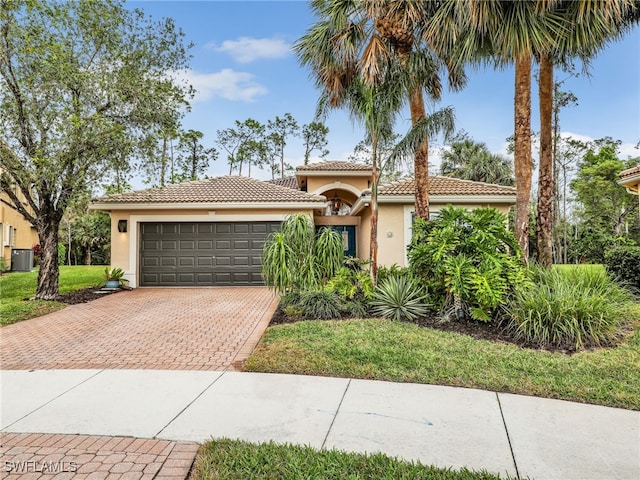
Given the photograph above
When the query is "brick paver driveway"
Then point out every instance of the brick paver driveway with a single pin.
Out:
(160, 328)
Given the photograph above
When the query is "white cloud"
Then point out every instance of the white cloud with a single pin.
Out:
(227, 84)
(248, 49)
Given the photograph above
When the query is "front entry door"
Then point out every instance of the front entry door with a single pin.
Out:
(348, 233)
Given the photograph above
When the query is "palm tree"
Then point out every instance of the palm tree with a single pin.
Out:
(587, 27)
(376, 106)
(359, 39)
(499, 32)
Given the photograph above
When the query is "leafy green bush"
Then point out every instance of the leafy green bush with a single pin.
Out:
(394, 270)
(295, 258)
(570, 308)
(469, 261)
(352, 282)
(319, 304)
(354, 309)
(623, 263)
(399, 298)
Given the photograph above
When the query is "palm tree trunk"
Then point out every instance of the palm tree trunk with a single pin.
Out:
(522, 150)
(545, 177)
(421, 158)
(373, 245)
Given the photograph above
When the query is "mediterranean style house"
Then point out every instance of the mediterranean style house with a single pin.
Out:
(211, 232)
(630, 179)
(15, 231)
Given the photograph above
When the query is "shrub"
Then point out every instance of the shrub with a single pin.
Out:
(297, 258)
(570, 308)
(354, 309)
(623, 263)
(352, 282)
(469, 261)
(393, 271)
(319, 304)
(399, 298)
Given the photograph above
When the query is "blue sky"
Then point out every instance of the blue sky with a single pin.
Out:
(243, 68)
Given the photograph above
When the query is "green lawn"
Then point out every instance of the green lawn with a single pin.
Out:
(404, 352)
(16, 287)
(233, 459)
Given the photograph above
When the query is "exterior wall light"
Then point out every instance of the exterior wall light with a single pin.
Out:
(122, 226)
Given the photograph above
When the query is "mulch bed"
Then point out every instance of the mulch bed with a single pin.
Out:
(491, 332)
(83, 296)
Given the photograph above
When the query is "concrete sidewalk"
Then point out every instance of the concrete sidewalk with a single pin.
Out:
(442, 426)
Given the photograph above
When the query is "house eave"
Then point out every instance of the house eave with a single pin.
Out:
(435, 199)
(631, 183)
(210, 206)
(333, 173)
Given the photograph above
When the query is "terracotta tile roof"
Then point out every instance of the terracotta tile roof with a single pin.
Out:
(439, 185)
(631, 171)
(334, 166)
(289, 182)
(220, 189)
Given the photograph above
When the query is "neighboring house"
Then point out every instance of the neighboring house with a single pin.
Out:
(15, 231)
(630, 179)
(211, 232)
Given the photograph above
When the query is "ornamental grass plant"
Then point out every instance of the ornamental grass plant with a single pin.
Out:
(571, 309)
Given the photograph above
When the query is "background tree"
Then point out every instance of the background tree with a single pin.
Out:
(602, 202)
(193, 158)
(241, 144)
(314, 136)
(279, 130)
(157, 156)
(77, 77)
(471, 160)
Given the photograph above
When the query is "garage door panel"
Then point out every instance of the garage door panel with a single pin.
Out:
(205, 261)
(200, 254)
(222, 261)
(169, 261)
(169, 245)
(223, 245)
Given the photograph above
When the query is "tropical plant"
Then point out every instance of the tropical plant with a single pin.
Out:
(359, 41)
(471, 160)
(469, 260)
(581, 29)
(319, 304)
(295, 258)
(114, 273)
(399, 298)
(351, 283)
(623, 262)
(570, 309)
(516, 32)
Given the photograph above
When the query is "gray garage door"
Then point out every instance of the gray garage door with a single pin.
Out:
(201, 254)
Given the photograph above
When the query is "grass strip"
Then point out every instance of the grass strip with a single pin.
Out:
(235, 459)
(404, 352)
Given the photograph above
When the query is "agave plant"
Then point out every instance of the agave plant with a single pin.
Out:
(398, 298)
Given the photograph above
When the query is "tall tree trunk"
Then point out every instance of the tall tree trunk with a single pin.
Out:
(373, 244)
(163, 162)
(522, 150)
(421, 158)
(87, 257)
(545, 176)
(48, 275)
